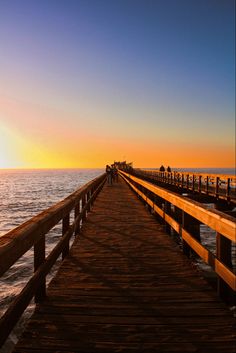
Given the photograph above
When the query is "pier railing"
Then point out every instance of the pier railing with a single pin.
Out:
(184, 217)
(218, 186)
(32, 233)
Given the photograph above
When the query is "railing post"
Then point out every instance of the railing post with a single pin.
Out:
(83, 205)
(158, 202)
(167, 210)
(192, 226)
(187, 181)
(224, 254)
(91, 194)
(182, 181)
(207, 185)
(217, 187)
(39, 258)
(88, 195)
(65, 227)
(178, 218)
(193, 183)
(200, 184)
(228, 189)
(77, 212)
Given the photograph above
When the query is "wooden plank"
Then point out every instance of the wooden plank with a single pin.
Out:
(125, 286)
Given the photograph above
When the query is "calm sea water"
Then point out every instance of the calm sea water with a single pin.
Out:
(25, 193)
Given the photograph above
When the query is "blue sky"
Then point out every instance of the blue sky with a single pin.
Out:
(149, 70)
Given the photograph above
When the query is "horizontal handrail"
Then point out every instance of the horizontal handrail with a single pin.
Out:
(223, 224)
(223, 176)
(219, 221)
(15, 243)
(214, 185)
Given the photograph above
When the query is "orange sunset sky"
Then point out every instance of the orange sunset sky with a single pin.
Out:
(83, 85)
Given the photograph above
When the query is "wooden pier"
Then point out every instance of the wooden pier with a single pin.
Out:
(124, 286)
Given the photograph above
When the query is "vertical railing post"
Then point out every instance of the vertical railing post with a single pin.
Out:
(223, 253)
(88, 195)
(65, 227)
(178, 180)
(91, 195)
(207, 185)
(228, 189)
(83, 205)
(193, 182)
(167, 210)
(200, 184)
(39, 258)
(187, 181)
(178, 218)
(192, 226)
(77, 212)
(158, 202)
(217, 187)
(166, 177)
(182, 181)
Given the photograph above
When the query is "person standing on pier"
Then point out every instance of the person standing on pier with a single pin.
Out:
(114, 173)
(162, 168)
(109, 174)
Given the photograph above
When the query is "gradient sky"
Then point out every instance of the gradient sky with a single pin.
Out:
(85, 82)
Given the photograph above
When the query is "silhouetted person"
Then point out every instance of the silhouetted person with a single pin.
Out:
(109, 174)
(168, 169)
(162, 168)
(115, 174)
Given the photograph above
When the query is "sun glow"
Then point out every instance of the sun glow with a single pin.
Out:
(9, 157)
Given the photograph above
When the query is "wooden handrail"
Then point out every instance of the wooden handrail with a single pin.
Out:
(223, 176)
(16, 242)
(19, 240)
(223, 224)
(219, 221)
(214, 185)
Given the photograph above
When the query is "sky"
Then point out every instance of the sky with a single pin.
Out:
(87, 82)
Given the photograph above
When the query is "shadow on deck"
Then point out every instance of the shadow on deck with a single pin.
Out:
(126, 287)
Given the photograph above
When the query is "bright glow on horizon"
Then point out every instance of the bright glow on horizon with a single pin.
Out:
(84, 84)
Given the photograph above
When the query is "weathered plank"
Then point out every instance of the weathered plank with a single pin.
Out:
(126, 287)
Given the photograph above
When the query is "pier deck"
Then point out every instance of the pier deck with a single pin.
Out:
(126, 287)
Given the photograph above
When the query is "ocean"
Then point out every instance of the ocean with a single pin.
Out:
(25, 193)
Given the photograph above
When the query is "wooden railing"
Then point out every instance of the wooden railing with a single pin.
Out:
(17, 242)
(218, 186)
(184, 216)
